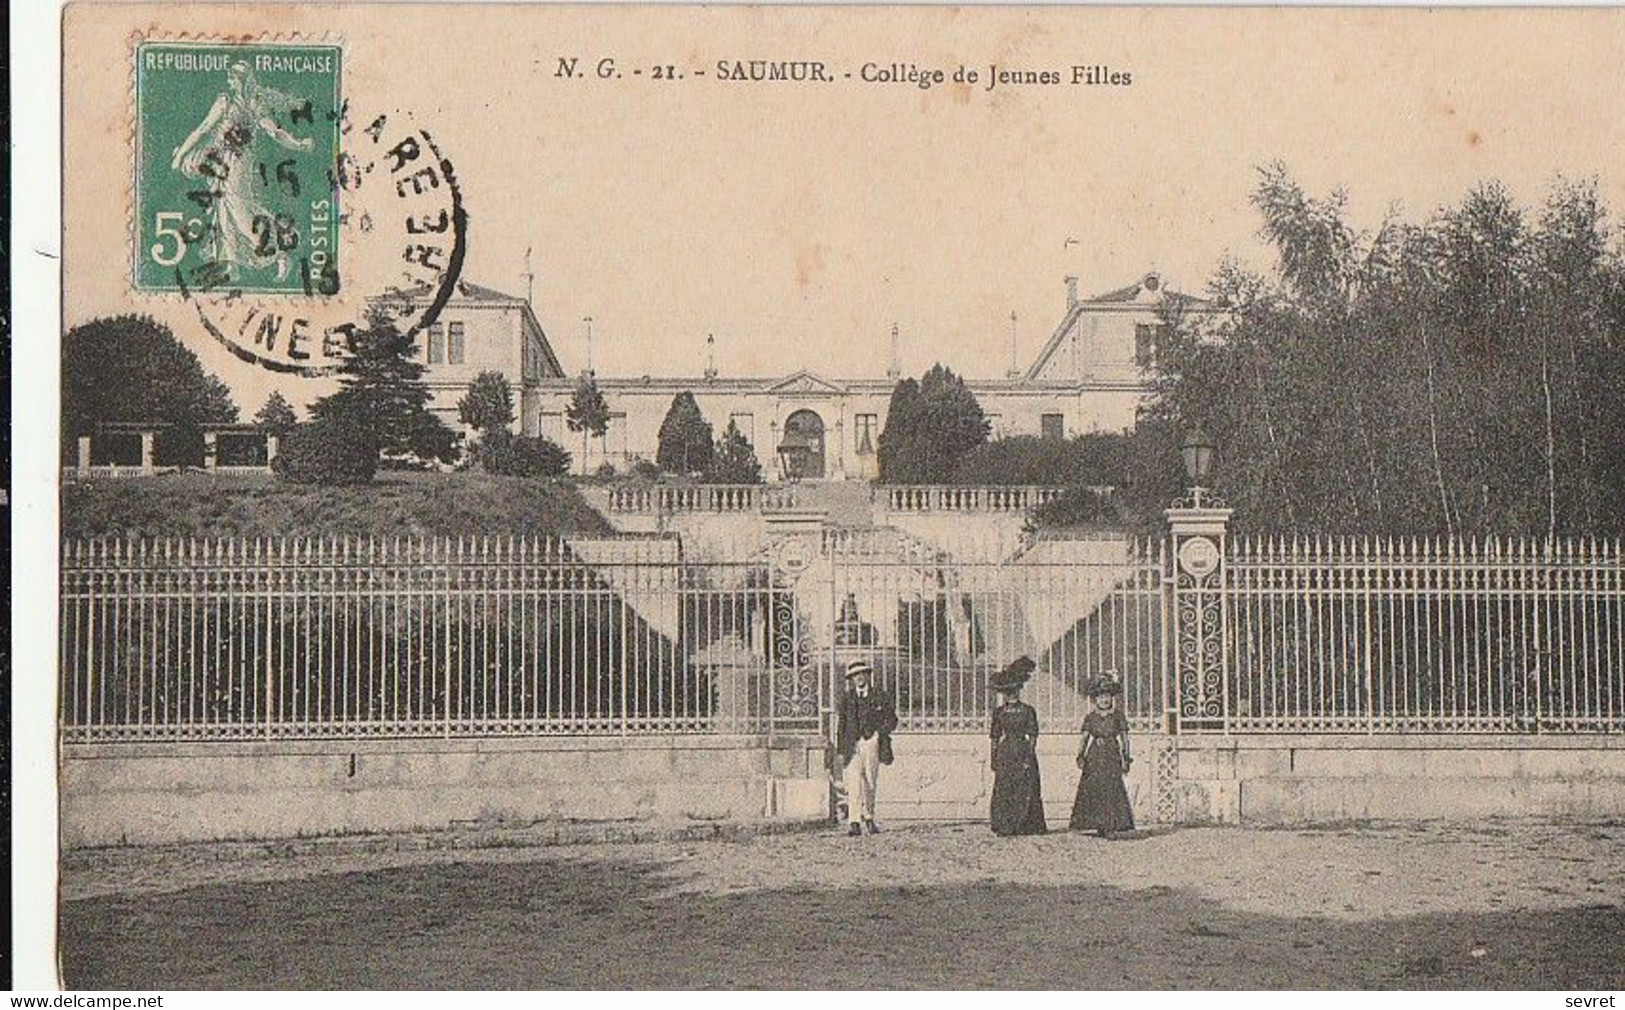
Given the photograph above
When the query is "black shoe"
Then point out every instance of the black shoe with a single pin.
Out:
(855, 831)
(871, 827)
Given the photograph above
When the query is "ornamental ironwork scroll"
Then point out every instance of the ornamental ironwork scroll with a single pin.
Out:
(1197, 529)
(794, 681)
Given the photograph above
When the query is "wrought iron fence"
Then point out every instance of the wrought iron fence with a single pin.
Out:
(219, 639)
(937, 626)
(1424, 635)
(230, 639)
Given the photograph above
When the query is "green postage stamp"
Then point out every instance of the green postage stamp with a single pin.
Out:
(236, 168)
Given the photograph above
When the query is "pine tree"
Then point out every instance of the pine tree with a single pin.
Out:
(381, 391)
(277, 416)
(735, 461)
(685, 437)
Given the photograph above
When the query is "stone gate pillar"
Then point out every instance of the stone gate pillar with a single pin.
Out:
(1197, 526)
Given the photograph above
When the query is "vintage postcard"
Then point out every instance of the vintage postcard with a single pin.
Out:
(611, 497)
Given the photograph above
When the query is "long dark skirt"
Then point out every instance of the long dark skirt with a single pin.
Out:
(1102, 800)
(1018, 792)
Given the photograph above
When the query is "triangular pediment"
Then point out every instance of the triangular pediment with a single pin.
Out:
(804, 381)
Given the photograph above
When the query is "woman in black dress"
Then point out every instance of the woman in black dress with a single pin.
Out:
(1102, 802)
(1018, 795)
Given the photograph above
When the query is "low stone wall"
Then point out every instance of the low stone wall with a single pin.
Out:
(148, 793)
(1298, 779)
(947, 777)
(1285, 779)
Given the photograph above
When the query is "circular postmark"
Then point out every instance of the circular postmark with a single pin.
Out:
(399, 244)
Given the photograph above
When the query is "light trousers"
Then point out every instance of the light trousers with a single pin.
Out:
(862, 775)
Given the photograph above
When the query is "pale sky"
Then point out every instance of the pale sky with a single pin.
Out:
(798, 222)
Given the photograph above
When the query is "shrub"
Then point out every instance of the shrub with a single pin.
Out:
(512, 455)
(1076, 506)
(1094, 459)
(645, 469)
(606, 470)
(327, 452)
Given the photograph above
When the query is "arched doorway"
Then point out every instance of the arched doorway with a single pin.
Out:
(801, 450)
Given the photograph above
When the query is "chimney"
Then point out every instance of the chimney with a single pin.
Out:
(895, 369)
(1071, 290)
(710, 357)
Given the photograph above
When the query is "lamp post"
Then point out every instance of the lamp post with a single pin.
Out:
(1197, 453)
(1197, 525)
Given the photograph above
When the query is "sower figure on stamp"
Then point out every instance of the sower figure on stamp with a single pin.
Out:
(863, 732)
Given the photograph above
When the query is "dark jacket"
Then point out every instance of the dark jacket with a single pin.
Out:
(863, 717)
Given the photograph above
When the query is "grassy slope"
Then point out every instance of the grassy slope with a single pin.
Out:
(399, 504)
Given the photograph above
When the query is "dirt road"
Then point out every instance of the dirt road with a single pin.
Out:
(1496, 905)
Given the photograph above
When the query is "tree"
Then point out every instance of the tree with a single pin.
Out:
(685, 437)
(381, 390)
(277, 417)
(734, 461)
(929, 431)
(488, 404)
(587, 411)
(132, 369)
(1458, 375)
(896, 452)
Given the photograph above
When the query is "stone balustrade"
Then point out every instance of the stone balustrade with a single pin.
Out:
(675, 499)
(967, 499)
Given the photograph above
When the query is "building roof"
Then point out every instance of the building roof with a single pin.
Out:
(467, 293)
(1146, 293)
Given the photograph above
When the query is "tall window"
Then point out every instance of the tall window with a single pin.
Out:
(454, 343)
(864, 431)
(1148, 339)
(1052, 426)
(437, 345)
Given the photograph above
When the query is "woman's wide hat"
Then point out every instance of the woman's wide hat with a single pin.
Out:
(1106, 684)
(1013, 676)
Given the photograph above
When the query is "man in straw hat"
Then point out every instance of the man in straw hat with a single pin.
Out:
(863, 732)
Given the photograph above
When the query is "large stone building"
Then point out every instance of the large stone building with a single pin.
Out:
(1089, 376)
